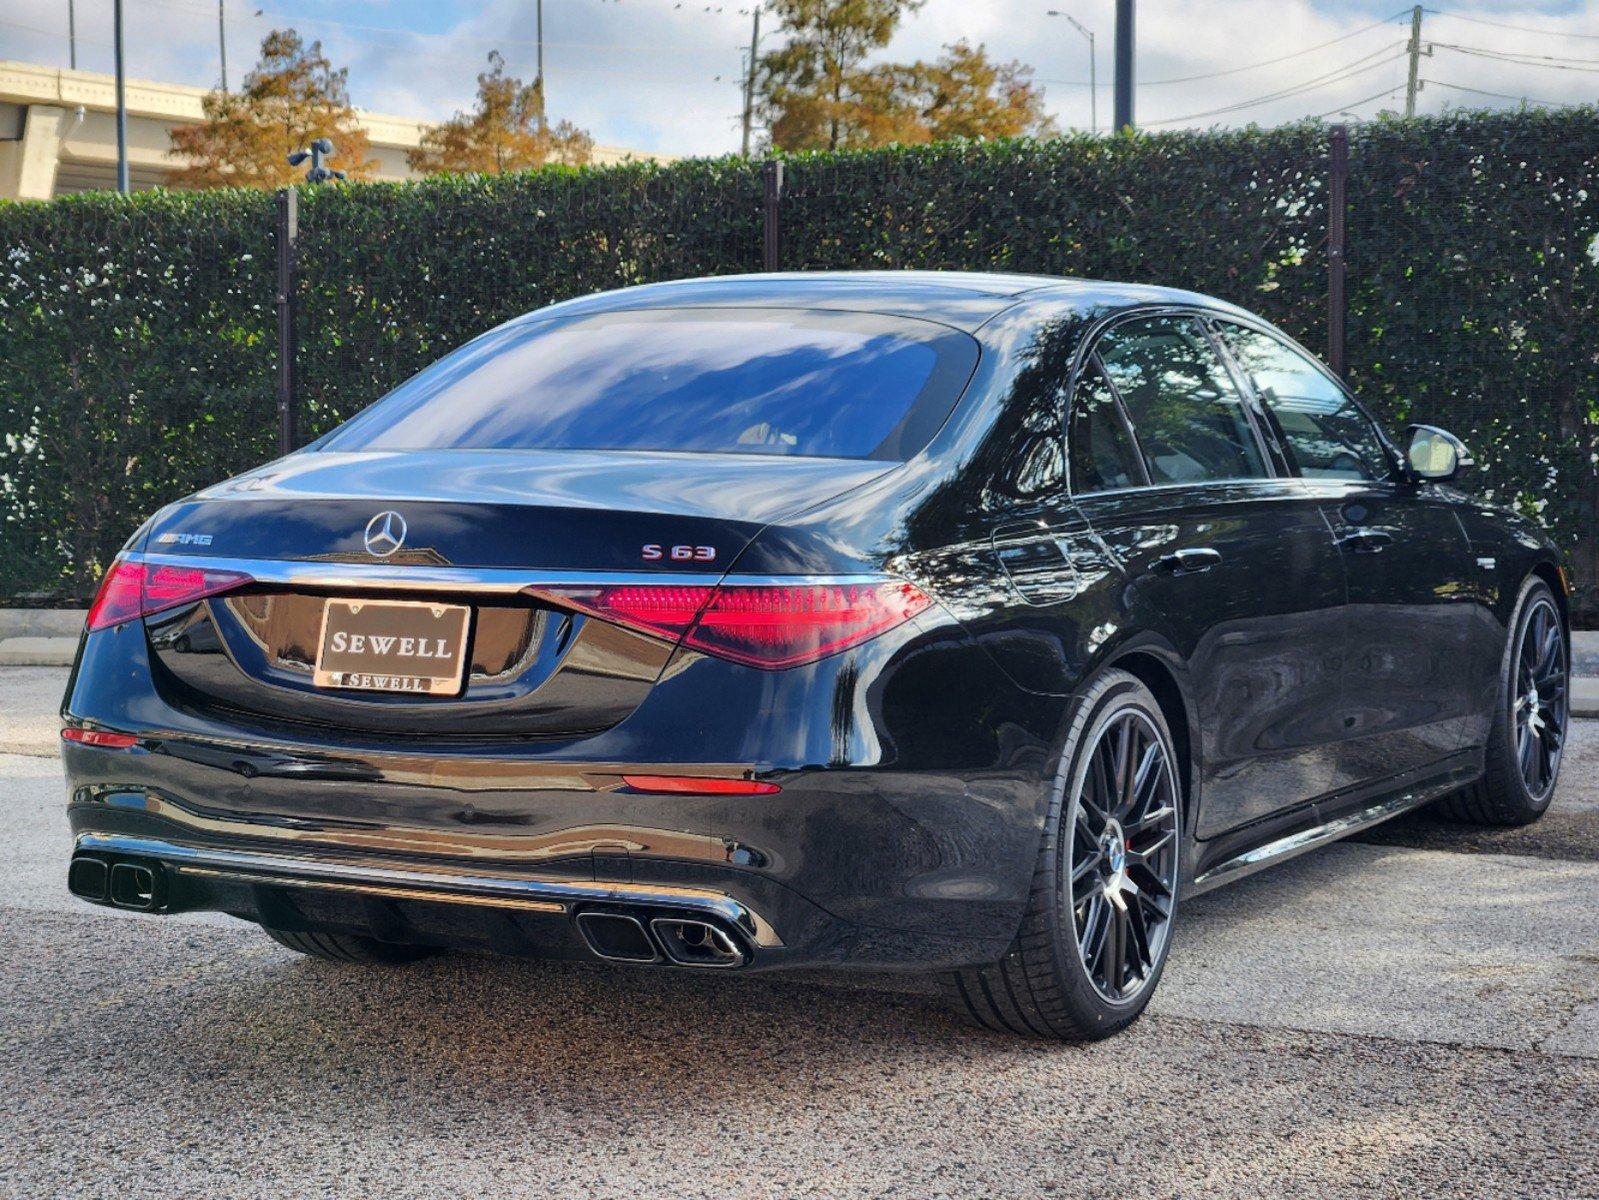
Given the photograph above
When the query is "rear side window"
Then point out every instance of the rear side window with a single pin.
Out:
(1102, 455)
(1188, 417)
(1325, 434)
(789, 382)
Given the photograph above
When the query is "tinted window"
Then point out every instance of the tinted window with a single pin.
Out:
(1188, 416)
(1102, 453)
(714, 381)
(1325, 435)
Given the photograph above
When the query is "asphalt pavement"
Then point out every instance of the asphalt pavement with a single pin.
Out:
(1416, 1014)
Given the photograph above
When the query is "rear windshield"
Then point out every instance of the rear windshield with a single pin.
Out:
(820, 384)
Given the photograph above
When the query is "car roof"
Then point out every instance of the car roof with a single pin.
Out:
(963, 299)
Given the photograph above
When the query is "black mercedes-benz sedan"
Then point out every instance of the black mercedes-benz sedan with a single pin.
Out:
(935, 622)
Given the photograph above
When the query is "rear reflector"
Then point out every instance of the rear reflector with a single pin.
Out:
(699, 785)
(767, 625)
(100, 737)
(133, 588)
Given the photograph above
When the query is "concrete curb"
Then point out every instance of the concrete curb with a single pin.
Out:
(38, 651)
(41, 622)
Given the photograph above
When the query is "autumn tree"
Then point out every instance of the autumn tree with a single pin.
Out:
(291, 98)
(818, 93)
(814, 94)
(961, 94)
(506, 132)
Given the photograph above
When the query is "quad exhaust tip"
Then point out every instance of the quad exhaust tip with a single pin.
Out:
(138, 886)
(683, 941)
(691, 943)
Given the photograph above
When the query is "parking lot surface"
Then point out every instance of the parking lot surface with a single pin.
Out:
(1416, 1014)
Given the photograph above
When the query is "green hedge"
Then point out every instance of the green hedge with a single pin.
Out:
(136, 335)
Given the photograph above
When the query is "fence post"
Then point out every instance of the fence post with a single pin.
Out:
(288, 236)
(1337, 244)
(772, 192)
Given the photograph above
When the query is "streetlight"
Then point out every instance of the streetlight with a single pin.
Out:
(1093, 57)
(320, 149)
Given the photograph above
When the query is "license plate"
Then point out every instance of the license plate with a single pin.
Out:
(393, 646)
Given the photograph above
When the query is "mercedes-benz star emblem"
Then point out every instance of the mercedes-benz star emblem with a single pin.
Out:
(385, 533)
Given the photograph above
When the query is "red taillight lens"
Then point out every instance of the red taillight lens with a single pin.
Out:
(100, 737)
(699, 785)
(134, 589)
(764, 625)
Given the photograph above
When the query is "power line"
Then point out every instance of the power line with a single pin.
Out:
(1281, 59)
(1496, 56)
(1347, 71)
(1587, 37)
(1456, 87)
(1343, 108)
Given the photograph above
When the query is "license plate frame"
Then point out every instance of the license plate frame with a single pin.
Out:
(432, 624)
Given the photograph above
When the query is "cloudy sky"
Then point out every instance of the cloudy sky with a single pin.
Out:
(663, 75)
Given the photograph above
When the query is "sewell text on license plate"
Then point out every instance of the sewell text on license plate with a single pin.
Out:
(393, 646)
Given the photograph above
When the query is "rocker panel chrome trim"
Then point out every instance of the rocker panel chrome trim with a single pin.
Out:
(1295, 844)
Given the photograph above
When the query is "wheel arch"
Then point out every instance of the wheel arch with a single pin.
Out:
(1551, 574)
(1153, 666)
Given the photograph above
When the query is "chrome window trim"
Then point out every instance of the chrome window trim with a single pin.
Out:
(1088, 350)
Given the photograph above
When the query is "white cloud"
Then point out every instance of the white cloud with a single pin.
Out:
(662, 75)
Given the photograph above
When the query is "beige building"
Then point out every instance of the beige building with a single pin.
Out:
(58, 132)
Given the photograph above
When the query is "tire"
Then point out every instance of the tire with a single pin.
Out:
(346, 947)
(1045, 986)
(1507, 793)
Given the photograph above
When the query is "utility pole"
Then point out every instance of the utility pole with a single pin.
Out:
(222, 39)
(1123, 117)
(749, 81)
(538, 75)
(123, 184)
(1412, 85)
(72, 34)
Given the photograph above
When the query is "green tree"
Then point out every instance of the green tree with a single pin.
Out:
(291, 98)
(506, 132)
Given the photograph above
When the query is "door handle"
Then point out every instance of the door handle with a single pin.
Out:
(1366, 541)
(1188, 562)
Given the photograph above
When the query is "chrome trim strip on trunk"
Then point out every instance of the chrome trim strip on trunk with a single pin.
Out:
(490, 890)
(427, 577)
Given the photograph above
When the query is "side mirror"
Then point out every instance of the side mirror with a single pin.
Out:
(1436, 453)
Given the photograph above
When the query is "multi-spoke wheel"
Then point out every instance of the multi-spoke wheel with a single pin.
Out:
(1539, 699)
(1522, 762)
(1124, 856)
(1099, 918)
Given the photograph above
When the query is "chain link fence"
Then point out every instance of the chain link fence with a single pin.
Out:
(138, 344)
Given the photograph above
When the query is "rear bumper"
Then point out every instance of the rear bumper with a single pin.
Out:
(843, 868)
(913, 777)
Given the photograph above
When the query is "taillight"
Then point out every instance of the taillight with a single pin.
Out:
(701, 785)
(767, 625)
(133, 588)
(99, 737)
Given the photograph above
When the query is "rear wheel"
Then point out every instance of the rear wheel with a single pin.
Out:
(1531, 716)
(346, 947)
(1099, 919)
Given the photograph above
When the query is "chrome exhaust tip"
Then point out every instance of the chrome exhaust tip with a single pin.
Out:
(617, 937)
(89, 879)
(691, 943)
(137, 886)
